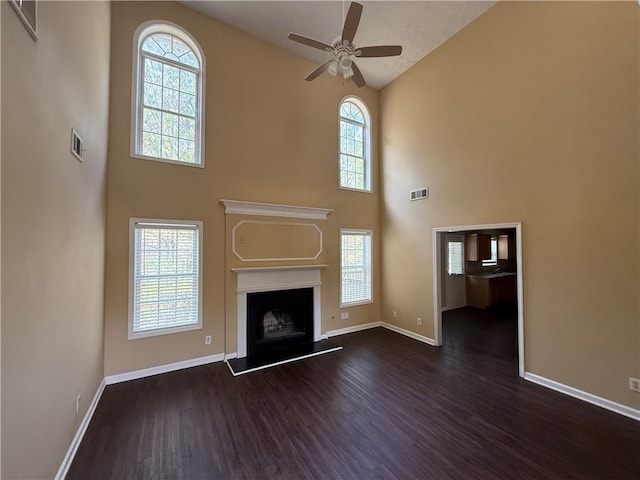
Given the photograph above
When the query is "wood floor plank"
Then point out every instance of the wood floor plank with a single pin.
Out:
(384, 407)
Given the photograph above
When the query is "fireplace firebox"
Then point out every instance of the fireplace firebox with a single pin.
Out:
(279, 320)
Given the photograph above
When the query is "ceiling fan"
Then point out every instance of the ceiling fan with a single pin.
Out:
(344, 51)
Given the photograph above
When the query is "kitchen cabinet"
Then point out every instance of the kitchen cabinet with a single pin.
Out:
(485, 290)
(503, 247)
(477, 247)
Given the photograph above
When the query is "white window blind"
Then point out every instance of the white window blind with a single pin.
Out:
(166, 277)
(356, 267)
(454, 257)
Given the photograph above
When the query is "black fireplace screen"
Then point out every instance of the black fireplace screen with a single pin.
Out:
(279, 319)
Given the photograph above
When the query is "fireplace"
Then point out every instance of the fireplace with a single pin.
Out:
(278, 307)
(279, 320)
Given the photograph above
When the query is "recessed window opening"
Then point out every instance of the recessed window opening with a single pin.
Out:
(355, 149)
(165, 277)
(494, 253)
(168, 116)
(355, 267)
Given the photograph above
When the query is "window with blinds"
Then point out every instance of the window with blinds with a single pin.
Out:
(165, 277)
(355, 267)
(454, 257)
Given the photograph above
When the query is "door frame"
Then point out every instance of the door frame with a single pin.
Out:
(437, 245)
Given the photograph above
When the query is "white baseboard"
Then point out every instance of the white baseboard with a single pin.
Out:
(408, 333)
(229, 356)
(355, 328)
(170, 367)
(582, 395)
(77, 439)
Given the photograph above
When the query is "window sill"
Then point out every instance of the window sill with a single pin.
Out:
(355, 189)
(355, 304)
(163, 331)
(164, 160)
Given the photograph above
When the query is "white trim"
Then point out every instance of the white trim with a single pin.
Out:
(239, 207)
(282, 362)
(388, 326)
(77, 439)
(355, 328)
(170, 367)
(276, 268)
(144, 30)
(131, 335)
(409, 333)
(266, 279)
(437, 287)
(254, 222)
(230, 356)
(584, 396)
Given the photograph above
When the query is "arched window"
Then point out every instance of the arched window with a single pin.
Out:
(169, 95)
(355, 145)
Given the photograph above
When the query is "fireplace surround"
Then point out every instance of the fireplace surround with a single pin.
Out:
(282, 281)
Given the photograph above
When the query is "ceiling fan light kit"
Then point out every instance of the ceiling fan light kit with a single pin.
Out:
(344, 51)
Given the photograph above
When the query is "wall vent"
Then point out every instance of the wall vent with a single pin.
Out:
(77, 145)
(419, 194)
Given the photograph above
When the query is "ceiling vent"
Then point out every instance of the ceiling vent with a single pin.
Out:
(419, 194)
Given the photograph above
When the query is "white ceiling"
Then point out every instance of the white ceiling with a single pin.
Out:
(419, 26)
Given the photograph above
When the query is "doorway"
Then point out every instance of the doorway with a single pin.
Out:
(449, 275)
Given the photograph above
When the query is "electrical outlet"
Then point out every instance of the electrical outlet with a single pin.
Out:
(419, 321)
(395, 314)
(207, 340)
(78, 402)
(344, 315)
(634, 384)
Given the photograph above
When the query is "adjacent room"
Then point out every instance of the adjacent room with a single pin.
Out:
(320, 239)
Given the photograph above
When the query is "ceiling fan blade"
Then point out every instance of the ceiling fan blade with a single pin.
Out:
(318, 71)
(379, 51)
(351, 22)
(310, 42)
(357, 77)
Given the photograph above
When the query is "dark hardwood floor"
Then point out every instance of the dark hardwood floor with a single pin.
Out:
(384, 407)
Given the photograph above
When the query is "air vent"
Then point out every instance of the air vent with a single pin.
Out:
(419, 194)
(77, 145)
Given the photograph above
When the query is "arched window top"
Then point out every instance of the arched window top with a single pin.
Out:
(355, 145)
(169, 46)
(351, 111)
(168, 104)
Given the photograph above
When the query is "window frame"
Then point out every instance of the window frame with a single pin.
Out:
(363, 232)
(366, 138)
(132, 260)
(142, 32)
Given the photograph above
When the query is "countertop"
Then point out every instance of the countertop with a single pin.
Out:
(492, 275)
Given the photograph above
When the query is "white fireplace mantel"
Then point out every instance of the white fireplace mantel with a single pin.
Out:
(265, 279)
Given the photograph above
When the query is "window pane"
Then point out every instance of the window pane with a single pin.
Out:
(151, 121)
(151, 144)
(152, 95)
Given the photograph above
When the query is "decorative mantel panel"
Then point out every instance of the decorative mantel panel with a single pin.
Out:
(254, 241)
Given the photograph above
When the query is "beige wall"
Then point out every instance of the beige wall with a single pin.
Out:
(529, 114)
(53, 229)
(270, 137)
